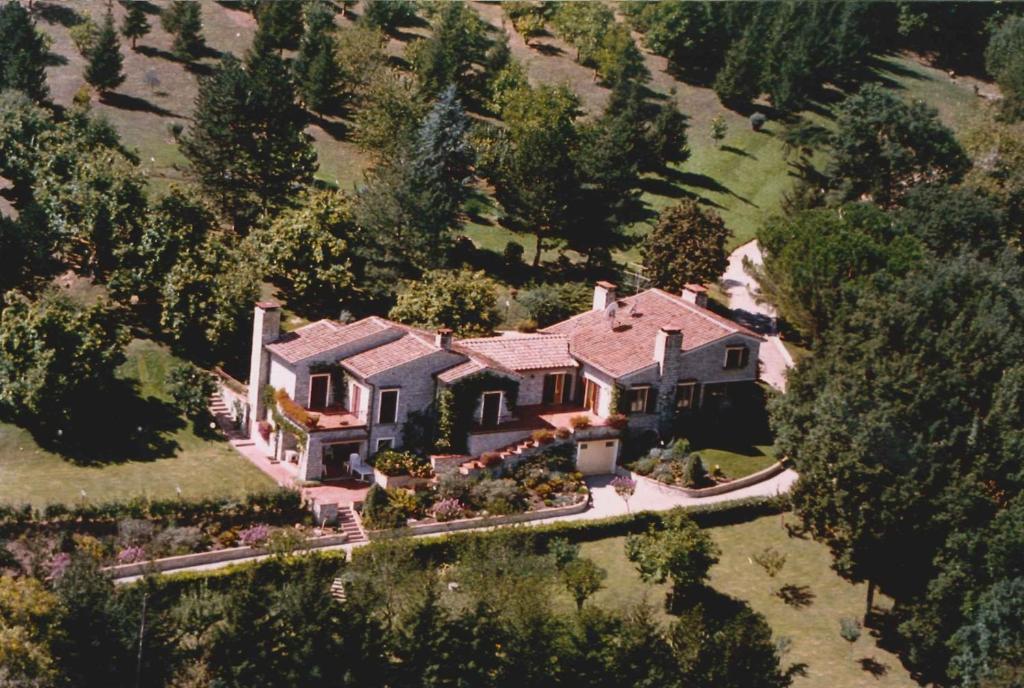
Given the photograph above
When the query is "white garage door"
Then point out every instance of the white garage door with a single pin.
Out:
(596, 457)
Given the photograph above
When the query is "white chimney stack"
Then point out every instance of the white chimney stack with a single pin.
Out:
(443, 338)
(604, 294)
(266, 327)
(695, 294)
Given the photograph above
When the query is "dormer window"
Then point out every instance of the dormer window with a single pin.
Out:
(736, 357)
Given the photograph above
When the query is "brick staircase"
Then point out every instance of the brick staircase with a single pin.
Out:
(349, 524)
(338, 590)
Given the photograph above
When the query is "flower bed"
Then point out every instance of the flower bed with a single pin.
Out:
(546, 480)
(132, 532)
(677, 465)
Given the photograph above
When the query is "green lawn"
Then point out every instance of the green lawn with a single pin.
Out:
(173, 457)
(813, 629)
(738, 463)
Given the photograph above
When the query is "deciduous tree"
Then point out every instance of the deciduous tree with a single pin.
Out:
(462, 300)
(686, 245)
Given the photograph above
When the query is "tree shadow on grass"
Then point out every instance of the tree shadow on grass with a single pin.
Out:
(335, 128)
(123, 101)
(702, 181)
(548, 49)
(873, 667)
(739, 151)
(52, 13)
(118, 426)
(796, 596)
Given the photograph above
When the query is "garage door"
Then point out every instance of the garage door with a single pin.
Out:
(596, 457)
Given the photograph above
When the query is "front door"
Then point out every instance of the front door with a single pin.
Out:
(335, 457)
(555, 388)
(592, 395)
(492, 409)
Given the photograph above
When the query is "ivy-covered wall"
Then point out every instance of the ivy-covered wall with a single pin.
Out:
(456, 405)
(339, 380)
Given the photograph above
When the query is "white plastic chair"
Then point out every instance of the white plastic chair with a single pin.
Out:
(359, 468)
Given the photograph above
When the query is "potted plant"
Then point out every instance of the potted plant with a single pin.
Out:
(542, 437)
(617, 421)
(580, 422)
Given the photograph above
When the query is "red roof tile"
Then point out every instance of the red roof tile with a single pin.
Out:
(322, 335)
(524, 351)
(406, 348)
(625, 343)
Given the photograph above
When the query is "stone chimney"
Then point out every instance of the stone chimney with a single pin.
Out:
(443, 338)
(604, 294)
(266, 327)
(668, 346)
(695, 294)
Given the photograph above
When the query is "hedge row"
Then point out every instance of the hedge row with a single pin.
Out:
(444, 547)
(273, 507)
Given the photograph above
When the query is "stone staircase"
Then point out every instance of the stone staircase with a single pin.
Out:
(349, 524)
(512, 454)
(338, 590)
(222, 415)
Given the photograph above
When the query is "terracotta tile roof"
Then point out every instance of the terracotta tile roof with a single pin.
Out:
(322, 335)
(627, 344)
(461, 370)
(406, 348)
(524, 351)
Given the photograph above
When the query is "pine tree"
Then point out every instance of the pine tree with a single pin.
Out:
(280, 22)
(246, 145)
(105, 61)
(22, 53)
(184, 19)
(135, 24)
(317, 73)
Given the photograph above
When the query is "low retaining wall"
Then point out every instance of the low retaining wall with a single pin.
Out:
(483, 521)
(212, 557)
(721, 488)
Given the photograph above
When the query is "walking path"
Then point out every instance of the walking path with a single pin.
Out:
(742, 290)
(606, 503)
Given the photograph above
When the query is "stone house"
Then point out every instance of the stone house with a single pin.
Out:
(328, 390)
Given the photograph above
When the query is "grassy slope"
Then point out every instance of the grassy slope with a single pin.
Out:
(814, 629)
(744, 180)
(200, 467)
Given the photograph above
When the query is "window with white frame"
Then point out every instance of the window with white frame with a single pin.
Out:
(638, 399)
(685, 392)
(319, 390)
(387, 406)
(355, 399)
(736, 357)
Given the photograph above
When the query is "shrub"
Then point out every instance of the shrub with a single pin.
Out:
(377, 511)
(175, 541)
(678, 449)
(134, 532)
(391, 463)
(617, 421)
(694, 474)
(448, 509)
(645, 465)
(256, 536)
(542, 436)
(285, 541)
(489, 459)
(757, 121)
(454, 486)
(405, 503)
(561, 458)
(562, 433)
(502, 496)
(264, 428)
(663, 473)
(580, 422)
(131, 555)
(513, 253)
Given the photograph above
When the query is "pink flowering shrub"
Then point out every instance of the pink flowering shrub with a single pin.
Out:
(448, 509)
(255, 536)
(131, 555)
(59, 563)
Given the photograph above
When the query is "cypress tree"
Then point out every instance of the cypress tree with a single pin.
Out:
(184, 19)
(105, 61)
(317, 72)
(135, 24)
(22, 53)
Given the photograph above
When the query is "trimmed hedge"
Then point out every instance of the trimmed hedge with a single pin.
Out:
(273, 507)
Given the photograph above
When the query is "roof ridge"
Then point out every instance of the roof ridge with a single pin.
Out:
(727, 324)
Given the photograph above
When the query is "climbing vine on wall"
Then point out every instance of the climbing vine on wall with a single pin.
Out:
(456, 406)
(339, 380)
(271, 397)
